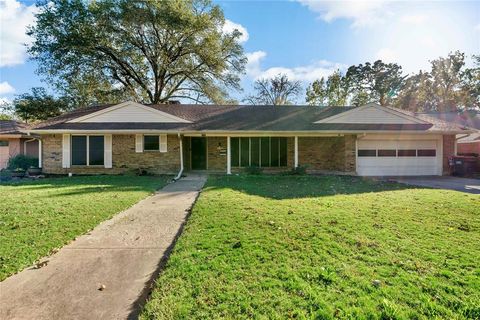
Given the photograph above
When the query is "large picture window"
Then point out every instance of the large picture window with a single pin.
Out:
(258, 152)
(88, 150)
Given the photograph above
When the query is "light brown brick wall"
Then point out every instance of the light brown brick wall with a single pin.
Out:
(217, 154)
(318, 153)
(350, 154)
(327, 153)
(448, 151)
(124, 157)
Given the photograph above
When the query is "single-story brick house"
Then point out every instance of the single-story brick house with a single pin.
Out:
(367, 140)
(14, 141)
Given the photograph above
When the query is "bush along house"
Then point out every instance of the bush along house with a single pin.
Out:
(369, 140)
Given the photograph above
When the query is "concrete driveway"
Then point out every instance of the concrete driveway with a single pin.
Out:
(444, 182)
(106, 273)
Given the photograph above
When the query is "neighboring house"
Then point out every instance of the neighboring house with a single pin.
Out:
(367, 140)
(466, 144)
(14, 140)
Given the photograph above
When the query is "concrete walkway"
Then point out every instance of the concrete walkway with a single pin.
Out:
(124, 254)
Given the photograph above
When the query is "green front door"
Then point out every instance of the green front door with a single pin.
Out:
(199, 153)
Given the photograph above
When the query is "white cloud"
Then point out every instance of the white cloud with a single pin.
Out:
(414, 19)
(253, 65)
(14, 18)
(5, 88)
(362, 13)
(230, 26)
(387, 55)
(307, 73)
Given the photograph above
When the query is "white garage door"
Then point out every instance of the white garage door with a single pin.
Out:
(397, 158)
(3, 155)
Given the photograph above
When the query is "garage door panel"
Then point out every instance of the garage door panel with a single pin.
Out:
(417, 144)
(398, 165)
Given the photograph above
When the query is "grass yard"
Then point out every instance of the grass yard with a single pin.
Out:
(37, 217)
(279, 247)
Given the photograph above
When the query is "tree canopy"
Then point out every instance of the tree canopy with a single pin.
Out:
(37, 105)
(148, 51)
(278, 90)
(449, 86)
(331, 92)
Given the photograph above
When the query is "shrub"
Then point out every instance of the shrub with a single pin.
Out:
(253, 170)
(298, 171)
(22, 161)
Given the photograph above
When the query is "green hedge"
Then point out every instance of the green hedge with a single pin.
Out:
(22, 161)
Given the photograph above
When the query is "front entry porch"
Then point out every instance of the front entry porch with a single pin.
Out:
(230, 154)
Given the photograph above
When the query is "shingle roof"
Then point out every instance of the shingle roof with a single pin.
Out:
(244, 118)
(468, 118)
(12, 127)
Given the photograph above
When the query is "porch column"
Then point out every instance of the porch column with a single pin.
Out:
(229, 156)
(39, 153)
(296, 152)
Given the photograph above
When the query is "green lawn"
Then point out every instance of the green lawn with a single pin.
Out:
(312, 247)
(36, 217)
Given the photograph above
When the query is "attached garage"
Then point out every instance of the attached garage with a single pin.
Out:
(395, 157)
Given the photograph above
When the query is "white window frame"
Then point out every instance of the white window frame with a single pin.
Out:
(88, 150)
(162, 145)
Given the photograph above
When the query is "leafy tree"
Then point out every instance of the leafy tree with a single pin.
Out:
(471, 85)
(449, 86)
(447, 81)
(378, 82)
(38, 105)
(275, 91)
(416, 94)
(332, 92)
(149, 51)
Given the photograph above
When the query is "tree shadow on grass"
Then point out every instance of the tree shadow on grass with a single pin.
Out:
(291, 187)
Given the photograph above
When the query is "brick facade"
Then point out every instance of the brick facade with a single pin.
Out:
(322, 154)
(124, 157)
(448, 151)
(217, 154)
(318, 153)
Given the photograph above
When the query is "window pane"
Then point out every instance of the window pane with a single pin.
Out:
(387, 152)
(3, 143)
(367, 153)
(79, 150)
(274, 152)
(407, 153)
(95, 151)
(235, 145)
(265, 152)
(244, 152)
(283, 152)
(151, 143)
(255, 151)
(426, 152)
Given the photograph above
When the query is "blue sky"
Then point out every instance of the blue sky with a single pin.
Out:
(303, 39)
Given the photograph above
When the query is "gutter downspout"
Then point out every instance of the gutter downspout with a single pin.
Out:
(179, 175)
(25, 145)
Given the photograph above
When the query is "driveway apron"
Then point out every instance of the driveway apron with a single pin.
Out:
(107, 273)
